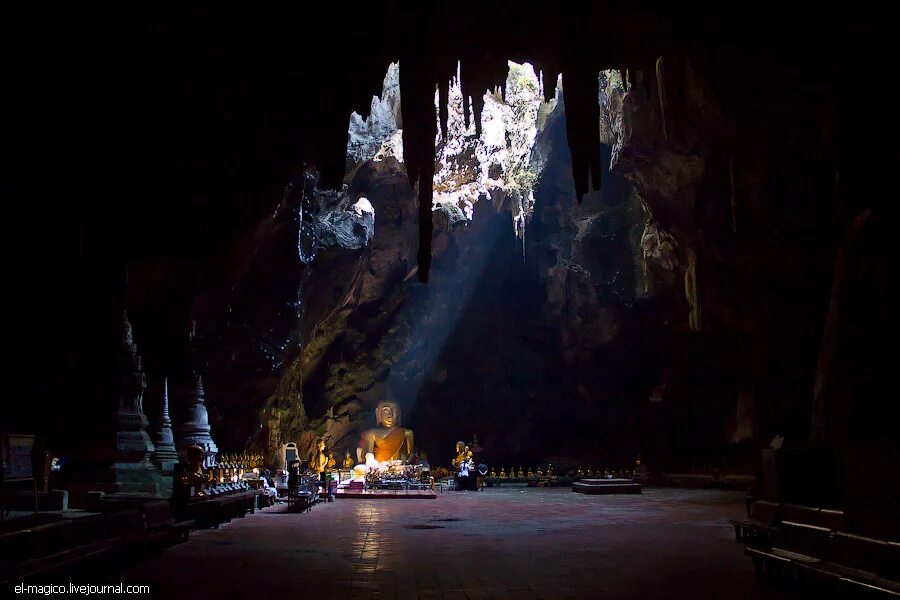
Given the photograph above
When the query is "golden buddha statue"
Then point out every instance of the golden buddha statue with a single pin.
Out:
(549, 470)
(460, 455)
(493, 474)
(502, 472)
(530, 474)
(348, 460)
(193, 476)
(318, 462)
(387, 440)
(540, 472)
(521, 474)
(331, 463)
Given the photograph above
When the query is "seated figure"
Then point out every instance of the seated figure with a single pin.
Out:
(387, 440)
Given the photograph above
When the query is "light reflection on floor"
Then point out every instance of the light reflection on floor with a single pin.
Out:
(512, 543)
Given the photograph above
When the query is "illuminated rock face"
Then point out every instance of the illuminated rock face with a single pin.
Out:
(379, 135)
(330, 218)
(350, 226)
(500, 163)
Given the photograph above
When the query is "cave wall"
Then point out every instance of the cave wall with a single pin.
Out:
(162, 144)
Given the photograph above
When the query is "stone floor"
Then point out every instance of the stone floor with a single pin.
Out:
(500, 543)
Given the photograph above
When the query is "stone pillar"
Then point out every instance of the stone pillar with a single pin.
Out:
(195, 429)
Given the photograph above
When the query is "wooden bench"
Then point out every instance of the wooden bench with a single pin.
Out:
(763, 518)
(63, 560)
(300, 499)
(161, 526)
(864, 565)
(822, 560)
(66, 544)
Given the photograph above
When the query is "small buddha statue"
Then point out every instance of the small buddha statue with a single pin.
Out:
(331, 463)
(540, 472)
(549, 470)
(387, 440)
(348, 460)
(493, 474)
(502, 472)
(530, 474)
(521, 473)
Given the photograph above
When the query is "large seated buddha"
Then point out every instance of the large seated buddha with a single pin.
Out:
(387, 440)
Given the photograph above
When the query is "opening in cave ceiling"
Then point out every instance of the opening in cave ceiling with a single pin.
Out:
(491, 156)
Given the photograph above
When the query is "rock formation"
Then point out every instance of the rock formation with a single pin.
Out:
(496, 163)
(380, 135)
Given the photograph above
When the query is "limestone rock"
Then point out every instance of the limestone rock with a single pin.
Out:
(352, 227)
(379, 135)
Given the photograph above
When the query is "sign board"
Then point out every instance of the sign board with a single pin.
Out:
(18, 456)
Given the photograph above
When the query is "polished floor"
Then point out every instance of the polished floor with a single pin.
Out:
(500, 543)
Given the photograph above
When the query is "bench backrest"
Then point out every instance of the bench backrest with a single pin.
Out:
(15, 546)
(764, 512)
(890, 567)
(158, 514)
(810, 540)
(832, 519)
(858, 552)
(800, 514)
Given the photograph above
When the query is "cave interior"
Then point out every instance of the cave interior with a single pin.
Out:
(684, 258)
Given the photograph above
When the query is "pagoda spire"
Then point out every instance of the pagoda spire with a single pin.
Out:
(164, 455)
(195, 429)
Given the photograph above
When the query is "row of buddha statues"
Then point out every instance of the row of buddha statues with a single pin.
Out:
(216, 479)
(248, 460)
(522, 474)
(322, 459)
(581, 473)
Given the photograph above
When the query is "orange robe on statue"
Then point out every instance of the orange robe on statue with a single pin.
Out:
(389, 446)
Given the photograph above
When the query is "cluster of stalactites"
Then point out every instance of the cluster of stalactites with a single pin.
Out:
(410, 144)
(490, 157)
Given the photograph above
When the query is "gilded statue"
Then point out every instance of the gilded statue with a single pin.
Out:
(521, 474)
(331, 463)
(193, 475)
(502, 472)
(460, 455)
(387, 440)
(348, 460)
(319, 462)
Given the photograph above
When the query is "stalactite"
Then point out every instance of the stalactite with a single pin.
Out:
(733, 194)
(648, 82)
(690, 289)
(582, 117)
(661, 93)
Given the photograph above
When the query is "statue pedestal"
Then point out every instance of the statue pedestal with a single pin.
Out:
(607, 486)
